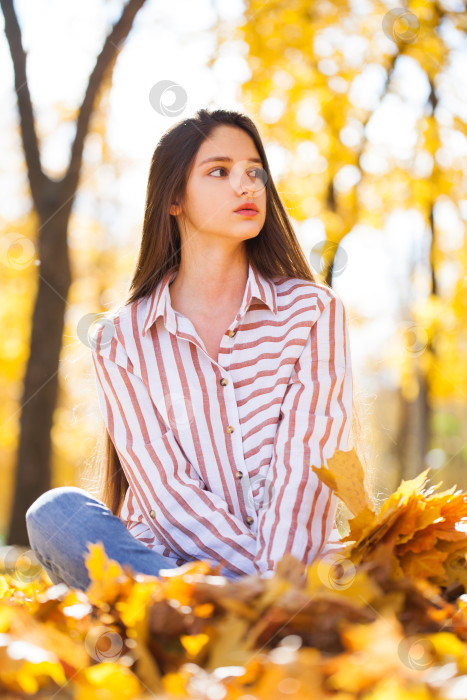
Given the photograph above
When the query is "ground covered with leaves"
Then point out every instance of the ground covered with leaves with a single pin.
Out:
(384, 618)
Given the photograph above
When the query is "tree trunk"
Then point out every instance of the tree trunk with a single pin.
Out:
(40, 387)
(53, 201)
(413, 439)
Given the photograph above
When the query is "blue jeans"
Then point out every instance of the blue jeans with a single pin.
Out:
(64, 519)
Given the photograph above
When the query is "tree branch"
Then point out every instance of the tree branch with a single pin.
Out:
(38, 180)
(28, 131)
(120, 31)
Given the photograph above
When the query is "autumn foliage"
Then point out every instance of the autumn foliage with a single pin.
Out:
(383, 618)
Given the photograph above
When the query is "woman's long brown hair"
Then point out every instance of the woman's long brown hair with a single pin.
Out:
(275, 252)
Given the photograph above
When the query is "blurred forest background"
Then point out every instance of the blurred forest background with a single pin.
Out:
(363, 109)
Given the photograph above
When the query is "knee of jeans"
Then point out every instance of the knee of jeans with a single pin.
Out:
(48, 501)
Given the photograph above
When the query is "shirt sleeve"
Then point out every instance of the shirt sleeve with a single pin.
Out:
(189, 519)
(315, 420)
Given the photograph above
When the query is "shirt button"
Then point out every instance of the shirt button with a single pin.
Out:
(231, 333)
(230, 429)
(238, 475)
(224, 381)
(152, 513)
(249, 520)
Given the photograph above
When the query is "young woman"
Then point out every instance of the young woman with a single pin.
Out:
(221, 379)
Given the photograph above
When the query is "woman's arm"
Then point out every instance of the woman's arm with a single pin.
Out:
(316, 415)
(192, 521)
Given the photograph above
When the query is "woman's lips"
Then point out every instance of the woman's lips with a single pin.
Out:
(246, 212)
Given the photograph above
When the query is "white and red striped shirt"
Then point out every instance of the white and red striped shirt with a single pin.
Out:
(217, 454)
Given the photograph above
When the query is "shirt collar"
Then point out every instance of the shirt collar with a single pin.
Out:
(159, 303)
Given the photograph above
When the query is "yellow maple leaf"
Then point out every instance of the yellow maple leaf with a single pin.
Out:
(336, 575)
(133, 609)
(46, 636)
(455, 568)
(4, 588)
(427, 512)
(178, 583)
(193, 643)
(25, 667)
(104, 574)
(175, 684)
(345, 476)
(447, 644)
(109, 680)
(376, 535)
(424, 565)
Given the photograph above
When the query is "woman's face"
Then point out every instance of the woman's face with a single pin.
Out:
(232, 176)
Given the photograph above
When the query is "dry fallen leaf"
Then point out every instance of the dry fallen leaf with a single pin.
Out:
(342, 625)
(345, 476)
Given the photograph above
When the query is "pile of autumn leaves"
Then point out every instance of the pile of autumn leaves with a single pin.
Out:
(383, 619)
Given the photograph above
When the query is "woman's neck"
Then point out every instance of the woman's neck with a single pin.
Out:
(209, 291)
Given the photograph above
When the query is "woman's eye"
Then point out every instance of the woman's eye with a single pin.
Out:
(253, 172)
(213, 171)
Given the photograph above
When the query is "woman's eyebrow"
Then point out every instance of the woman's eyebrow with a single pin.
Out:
(227, 159)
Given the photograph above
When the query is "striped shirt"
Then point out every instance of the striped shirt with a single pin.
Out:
(217, 454)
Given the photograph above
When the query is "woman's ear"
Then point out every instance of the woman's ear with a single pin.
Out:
(175, 209)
